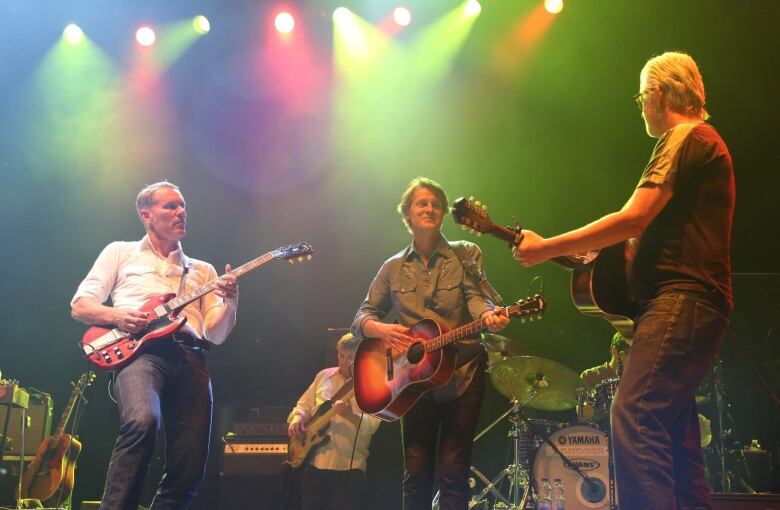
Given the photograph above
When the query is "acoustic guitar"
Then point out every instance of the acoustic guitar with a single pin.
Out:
(50, 476)
(599, 287)
(112, 348)
(388, 382)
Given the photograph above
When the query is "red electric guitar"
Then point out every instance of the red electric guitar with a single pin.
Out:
(599, 287)
(50, 476)
(111, 348)
(388, 383)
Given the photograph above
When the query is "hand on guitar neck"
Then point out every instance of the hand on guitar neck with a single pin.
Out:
(599, 284)
(398, 337)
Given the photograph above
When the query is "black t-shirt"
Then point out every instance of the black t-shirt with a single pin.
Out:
(687, 245)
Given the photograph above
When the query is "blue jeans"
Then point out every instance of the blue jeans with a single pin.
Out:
(167, 384)
(655, 428)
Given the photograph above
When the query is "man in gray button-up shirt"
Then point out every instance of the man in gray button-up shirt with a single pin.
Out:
(427, 280)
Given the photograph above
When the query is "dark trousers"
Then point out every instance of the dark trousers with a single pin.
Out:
(655, 426)
(450, 425)
(327, 489)
(168, 384)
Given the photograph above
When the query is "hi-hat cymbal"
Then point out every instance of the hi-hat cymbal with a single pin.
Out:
(556, 384)
(500, 347)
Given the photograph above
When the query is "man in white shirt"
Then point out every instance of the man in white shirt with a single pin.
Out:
(168, 382)
(335, 473)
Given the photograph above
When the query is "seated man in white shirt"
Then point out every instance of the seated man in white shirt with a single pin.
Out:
(335, 473)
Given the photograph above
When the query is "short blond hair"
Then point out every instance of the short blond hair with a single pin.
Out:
(348, 342)
(678, 76)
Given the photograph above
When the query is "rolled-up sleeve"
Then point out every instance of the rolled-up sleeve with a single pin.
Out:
(102, 277)
(378, 301)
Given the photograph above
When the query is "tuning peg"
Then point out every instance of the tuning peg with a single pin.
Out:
(522, 320)
(471, 198)
(291, 261)
(478, 203)
(464, 227)
(308, 257)
(479, 234)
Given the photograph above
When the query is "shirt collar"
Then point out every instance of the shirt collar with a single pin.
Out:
(442, 248)
(176, 257)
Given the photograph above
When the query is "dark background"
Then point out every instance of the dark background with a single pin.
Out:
(544, 130)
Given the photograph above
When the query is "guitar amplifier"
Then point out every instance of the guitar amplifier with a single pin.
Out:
(39, 416)
(253, 455)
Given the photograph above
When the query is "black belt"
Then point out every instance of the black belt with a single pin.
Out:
(190, 342)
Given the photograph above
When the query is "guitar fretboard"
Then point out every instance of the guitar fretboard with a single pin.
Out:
(478, 325)
(189, 297)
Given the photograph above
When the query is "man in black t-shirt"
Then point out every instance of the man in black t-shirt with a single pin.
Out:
(679, 222)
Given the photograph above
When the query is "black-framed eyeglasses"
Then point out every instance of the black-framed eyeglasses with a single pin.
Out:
(641, 97)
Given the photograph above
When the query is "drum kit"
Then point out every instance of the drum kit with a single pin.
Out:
(555, 466)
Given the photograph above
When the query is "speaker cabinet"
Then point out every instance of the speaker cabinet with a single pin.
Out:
(39, 416)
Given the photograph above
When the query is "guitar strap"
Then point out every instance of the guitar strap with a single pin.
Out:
(471, 266)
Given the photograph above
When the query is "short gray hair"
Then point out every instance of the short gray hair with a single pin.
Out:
(145, 197)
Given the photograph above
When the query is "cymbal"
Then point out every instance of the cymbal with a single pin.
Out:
(500, 347)
(556, 384)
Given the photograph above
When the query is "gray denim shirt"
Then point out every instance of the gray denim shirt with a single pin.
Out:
(407, 290)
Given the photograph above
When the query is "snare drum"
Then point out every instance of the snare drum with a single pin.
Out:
(601, 397)
(588, 449)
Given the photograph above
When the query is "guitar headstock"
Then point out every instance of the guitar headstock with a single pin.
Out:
(299, 252)
(472, 215)
(84, 381)
(531, 307)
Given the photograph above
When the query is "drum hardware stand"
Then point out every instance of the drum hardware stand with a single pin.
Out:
(522, 459)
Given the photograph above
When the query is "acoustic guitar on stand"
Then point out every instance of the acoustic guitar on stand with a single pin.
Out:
(388, 383)
(112, 348)
(50, 476)
(599, 287)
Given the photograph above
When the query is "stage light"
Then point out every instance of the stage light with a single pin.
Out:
(342, 15)
(145, 36)
(472, 8)
(73, 34)
(402, 16)
(201, 24)
(553, 6)
(284, 22)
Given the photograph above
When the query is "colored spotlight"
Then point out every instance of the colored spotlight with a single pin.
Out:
(201, 24)
(402, 16)
(342, 15)
(553, 6)
(73, 34)
(284, 22)
(145, 36)
(473, 8)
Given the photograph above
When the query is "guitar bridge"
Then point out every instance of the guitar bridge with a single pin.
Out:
(389, 363)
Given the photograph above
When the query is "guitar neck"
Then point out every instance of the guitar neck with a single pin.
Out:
(76, 393)
(510, 236)
(185, 299)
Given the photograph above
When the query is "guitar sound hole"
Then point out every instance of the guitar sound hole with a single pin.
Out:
(415, 353)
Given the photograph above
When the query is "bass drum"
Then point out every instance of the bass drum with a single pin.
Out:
(588, 449)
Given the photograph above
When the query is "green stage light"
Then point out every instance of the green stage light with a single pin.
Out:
(201, 24)
(73, 34)
(472, 8)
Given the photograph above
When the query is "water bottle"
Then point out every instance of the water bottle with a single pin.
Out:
(560, 498)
